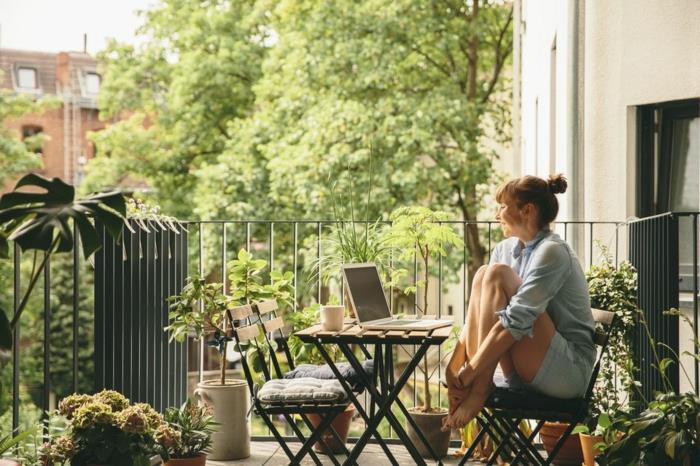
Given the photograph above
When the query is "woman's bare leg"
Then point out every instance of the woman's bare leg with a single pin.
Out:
(468, 338)
(500, 282)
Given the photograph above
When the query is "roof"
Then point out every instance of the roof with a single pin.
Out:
(45, 63)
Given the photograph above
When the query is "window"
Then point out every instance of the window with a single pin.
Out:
(92, 83)
(32, 137)
(668, 167)
(27, 78)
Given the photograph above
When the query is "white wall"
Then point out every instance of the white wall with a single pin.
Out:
(636, 52)
(546, 23)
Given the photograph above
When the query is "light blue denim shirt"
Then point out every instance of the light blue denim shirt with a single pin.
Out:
(553, 281)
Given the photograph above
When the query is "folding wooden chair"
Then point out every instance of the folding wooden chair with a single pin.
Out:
(244, 335)
(506, 407)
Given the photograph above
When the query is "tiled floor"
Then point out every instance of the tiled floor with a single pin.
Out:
(270, 454)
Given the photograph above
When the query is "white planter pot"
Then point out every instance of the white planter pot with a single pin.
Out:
(230, 403)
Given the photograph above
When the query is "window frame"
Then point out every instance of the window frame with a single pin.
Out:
(37, 81)
(654, 144)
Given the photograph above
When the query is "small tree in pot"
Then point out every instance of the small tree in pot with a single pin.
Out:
(421, 231)
(228, 398)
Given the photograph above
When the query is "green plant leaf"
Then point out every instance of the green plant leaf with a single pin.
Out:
(39, 218)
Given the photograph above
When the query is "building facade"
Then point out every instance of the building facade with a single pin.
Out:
(608, 92)
(73, 78)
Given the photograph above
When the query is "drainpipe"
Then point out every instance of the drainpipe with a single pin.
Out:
(575, 95)
(517, 77)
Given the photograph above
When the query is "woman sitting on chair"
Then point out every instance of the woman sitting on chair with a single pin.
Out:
(529, 309)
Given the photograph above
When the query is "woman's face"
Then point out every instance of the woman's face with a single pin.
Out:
(511, 217)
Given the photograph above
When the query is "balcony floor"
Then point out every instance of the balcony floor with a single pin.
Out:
(270, 454)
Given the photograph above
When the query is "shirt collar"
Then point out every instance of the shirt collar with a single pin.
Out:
(530, 245)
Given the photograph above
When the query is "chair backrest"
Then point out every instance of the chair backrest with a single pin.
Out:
(243, 332)
(273, 324)
(607, 319)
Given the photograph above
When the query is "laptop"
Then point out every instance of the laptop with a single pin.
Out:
(366, 294)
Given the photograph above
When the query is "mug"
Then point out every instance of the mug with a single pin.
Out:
(332, 318)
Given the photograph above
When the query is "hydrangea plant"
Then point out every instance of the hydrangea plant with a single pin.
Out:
(106, 428)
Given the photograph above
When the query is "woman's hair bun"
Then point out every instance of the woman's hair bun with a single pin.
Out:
(557, 183)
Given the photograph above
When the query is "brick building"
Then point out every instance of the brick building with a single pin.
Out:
(73, 77)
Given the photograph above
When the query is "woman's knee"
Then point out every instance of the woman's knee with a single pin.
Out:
(498, 273)
(479, 277)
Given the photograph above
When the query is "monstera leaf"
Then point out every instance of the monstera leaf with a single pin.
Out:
(39, 218)
(35, 220)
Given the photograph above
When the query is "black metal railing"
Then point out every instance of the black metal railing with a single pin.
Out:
(664, 250)
(291, 245)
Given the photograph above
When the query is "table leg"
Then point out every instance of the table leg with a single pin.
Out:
(384, 409)
(354, 399)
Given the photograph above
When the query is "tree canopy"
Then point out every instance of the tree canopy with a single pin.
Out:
(256, 109)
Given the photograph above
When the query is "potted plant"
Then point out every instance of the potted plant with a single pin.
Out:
(613, 289)
(106, 428)
(667, 431)
(39, 219)
(228, 397)
(194, 426)
(9, 442)
(418, 230)
(306, 353)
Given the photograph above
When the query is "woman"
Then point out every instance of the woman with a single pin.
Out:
(529, 309)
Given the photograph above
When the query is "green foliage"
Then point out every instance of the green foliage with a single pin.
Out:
(7, 442)
(262, 100)
(614, 289)
(16, 156)
(195, 424)
(246, 281)
(185, 316)
(418, 230)
(106, 428)
(664, 434)
(40, 220)
(667, 432)
(306, 353)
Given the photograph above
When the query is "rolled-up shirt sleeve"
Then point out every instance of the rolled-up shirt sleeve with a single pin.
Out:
(549, 269)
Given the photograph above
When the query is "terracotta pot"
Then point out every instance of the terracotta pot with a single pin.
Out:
(570, 453)
(199, 460)
(8, 463)
(230, 403)
(430, 424)
(587, 444)
(341, 424)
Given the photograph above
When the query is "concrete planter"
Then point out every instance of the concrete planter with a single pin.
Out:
(230, 404)
(430, 425)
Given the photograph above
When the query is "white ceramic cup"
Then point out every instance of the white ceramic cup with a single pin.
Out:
(332, 318)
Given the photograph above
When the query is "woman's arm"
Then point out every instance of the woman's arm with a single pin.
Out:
(497, 343)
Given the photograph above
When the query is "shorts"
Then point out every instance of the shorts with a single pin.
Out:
(565, 372)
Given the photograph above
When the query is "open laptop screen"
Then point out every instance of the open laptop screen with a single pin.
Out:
(367, 293)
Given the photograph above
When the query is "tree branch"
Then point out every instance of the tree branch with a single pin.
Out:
(501, 55)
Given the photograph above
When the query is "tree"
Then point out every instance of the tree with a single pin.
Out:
(19, 156)
(264, 102)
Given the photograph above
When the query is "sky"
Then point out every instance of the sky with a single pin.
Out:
(59, 25)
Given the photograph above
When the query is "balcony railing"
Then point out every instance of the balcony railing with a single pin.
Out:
(286, 245)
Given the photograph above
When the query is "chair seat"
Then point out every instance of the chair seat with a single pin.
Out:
(324, 372)
(301, 390)
(532, 405)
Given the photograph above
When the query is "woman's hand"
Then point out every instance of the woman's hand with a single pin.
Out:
(465, 376)
(456, 397)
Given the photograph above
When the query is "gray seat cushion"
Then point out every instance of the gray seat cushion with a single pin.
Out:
(324, 372)
(305, 389)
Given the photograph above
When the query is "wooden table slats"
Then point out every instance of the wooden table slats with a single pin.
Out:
(352, 332)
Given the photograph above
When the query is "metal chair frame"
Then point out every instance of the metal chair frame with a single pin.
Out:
(245, 330)
(502, 425)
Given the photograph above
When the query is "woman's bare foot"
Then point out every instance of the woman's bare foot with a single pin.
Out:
(470, 408)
